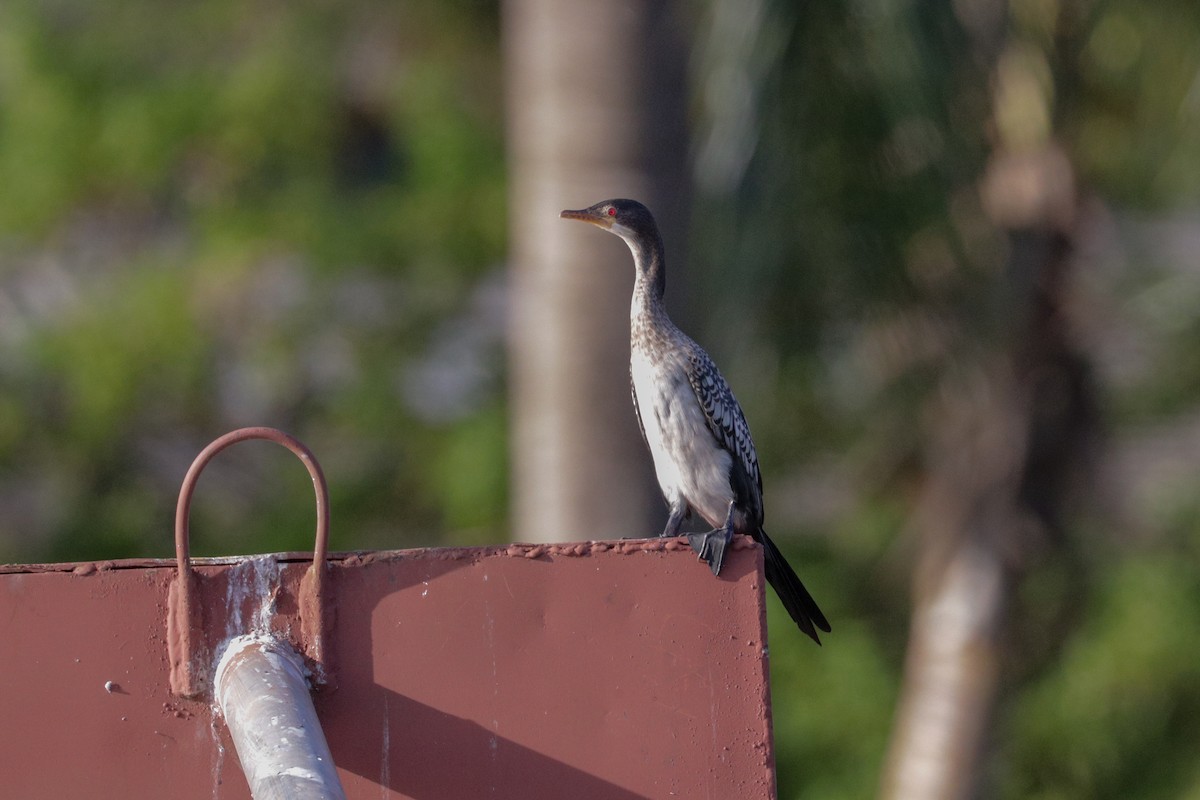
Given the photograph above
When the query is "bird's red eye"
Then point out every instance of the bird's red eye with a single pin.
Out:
(612, 211)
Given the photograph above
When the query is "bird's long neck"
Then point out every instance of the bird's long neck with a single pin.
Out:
(650, 282)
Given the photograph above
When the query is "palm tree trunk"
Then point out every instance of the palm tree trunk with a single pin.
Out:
(595, 102)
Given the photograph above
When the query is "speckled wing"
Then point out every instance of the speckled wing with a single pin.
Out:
(724, 415)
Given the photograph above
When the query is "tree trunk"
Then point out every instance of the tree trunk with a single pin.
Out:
(1009, 428)
(595, 101)
(1007, 434)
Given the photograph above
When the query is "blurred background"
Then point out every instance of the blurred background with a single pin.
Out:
(945, 253)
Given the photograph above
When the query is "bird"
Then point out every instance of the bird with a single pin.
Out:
(704, 457)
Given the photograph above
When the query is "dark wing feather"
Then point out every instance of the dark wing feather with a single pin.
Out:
(637, 410)
(728, 425)
(725, 418)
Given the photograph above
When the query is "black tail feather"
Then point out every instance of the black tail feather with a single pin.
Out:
(796, 599)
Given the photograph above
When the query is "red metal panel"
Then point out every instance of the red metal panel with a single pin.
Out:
(620, 670)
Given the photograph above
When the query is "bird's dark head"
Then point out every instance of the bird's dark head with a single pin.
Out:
(628, 219)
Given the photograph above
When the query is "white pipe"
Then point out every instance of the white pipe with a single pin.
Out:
(262, 692)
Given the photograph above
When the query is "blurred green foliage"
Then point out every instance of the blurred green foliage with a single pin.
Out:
(246, 213)
(858, 236)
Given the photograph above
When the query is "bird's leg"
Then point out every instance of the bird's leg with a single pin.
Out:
(711, 546)
(679, 511)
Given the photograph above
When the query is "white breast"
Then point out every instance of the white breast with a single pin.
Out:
(689, 463)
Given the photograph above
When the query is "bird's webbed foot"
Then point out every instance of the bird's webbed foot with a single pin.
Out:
(710, 546)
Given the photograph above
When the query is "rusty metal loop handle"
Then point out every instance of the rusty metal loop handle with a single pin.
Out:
(185, 638)
(183, 506)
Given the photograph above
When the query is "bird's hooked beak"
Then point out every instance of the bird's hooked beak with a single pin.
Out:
(589, 215)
